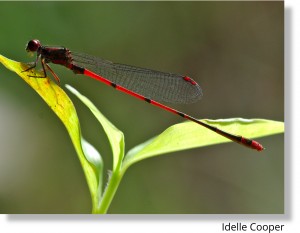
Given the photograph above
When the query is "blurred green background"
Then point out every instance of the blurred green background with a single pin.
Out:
(234, 50)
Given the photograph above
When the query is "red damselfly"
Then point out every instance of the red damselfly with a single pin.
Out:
(145, 84)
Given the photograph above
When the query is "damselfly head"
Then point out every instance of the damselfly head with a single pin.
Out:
(33, 45)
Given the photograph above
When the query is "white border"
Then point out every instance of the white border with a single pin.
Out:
(199, 223)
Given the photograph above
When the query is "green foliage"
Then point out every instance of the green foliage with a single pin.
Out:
(186, 135)
(175, 138)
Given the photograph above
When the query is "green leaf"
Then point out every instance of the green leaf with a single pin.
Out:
(60, 103)
(188, 135)
(116, 139)
(93, 156)
(115, 136)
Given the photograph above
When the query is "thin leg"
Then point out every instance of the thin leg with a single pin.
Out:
(52, 72)
(34, 64)
(44, 65)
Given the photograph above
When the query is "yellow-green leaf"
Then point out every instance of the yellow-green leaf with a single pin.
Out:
(188, 135)
(61, 104)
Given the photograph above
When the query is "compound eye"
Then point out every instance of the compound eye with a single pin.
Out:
(33, 46)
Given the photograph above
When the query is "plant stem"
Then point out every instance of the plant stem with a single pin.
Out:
(109, 193)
